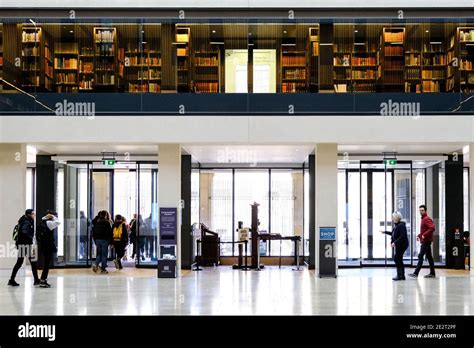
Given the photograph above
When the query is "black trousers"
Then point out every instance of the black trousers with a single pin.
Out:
(47, 257)
(425, 250)
(19, 263)
(398, 258)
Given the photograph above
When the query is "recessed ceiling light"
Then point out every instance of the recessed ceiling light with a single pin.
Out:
(71, 31)
(213, 31)
(427, 31)
(356, 31)
(143, 31)
(284, 32)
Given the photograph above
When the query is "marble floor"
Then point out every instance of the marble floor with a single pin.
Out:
(273, 291)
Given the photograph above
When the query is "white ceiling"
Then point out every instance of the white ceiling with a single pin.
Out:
(235, 154)
(402, 148)
(95, 149)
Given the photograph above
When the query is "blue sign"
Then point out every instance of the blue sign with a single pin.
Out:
(168, 226)
(327, 233)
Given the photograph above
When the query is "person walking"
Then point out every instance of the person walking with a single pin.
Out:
(24, 245)
(120, 233)
(47, 243)
(399, 242)
(467, 250)
(102, 234)
(425, 236)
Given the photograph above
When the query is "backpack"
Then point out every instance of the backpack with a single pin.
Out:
(118, 233)
(16, 231)
(41, 231)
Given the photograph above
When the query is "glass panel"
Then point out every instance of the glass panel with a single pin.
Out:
(402, 203)
(76, 224)
(216, 205)
(148, 231)
(353, 215)
(102, 191)
(306, 213)
(466, 199)
(286, 208)
(252, 186)
(342, 229)
(419, 199)
(29, 189)
(195, 192)
(442, 217)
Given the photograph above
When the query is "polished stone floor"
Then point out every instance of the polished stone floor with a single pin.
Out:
(273, 291)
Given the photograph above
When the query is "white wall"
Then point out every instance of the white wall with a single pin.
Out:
(280, 130)
(72, 4)
(12, 199)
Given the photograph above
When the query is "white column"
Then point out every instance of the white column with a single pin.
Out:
(326, 191)
(12, 199)
(169, 184)
(471, 198)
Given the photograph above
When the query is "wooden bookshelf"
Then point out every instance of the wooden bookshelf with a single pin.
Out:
(294, 70)
(106, 68)
(86, 69)
(36, 59)
(313, 61)
(183, 59)
(206, 71)
(393, 59)
(143, 69)
(465, 37)
(66, 67)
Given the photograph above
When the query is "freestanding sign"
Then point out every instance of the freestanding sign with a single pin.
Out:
(167, 267)
(327, 252)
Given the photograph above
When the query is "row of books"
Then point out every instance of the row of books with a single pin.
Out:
(30, 37)
(149, 74)
(466, 64)
(48, 69)
(412, 73)
(86, 84)
(293, 60)
(412, 87)
(432, 74)
(86, 67)
(364, 74)
(314, 48)
(295, 74)
(106, 50)
(393, 64)
(413, 59)
(466, 35)
(207, 87)
(394, 36)
(393, 51)
(360, 61)
(104, 35)
(292, 87)
(207, 61)
(106, 79)
(136, 60)
(363, 87)
(144, 88)
(66, 78)
(431, 86)
(65, 63)
(435, 60)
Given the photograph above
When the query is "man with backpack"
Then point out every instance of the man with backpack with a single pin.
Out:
(46, 242)
(23, 235)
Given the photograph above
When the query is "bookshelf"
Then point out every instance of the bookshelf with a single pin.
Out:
(86, 69)
(365, 67)
(433, 66)
(393, 64)
(206, 71)
(451, 65)
(66, 67)
(105, 58)
(36, 59)
(183, 59)
(293, 70)
(313, 53)
(466, 59)
(342, 54)
(143, 69)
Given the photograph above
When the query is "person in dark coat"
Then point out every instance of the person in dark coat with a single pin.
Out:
(45, 239)
(103, 237)
(399, 242)
(24, 244)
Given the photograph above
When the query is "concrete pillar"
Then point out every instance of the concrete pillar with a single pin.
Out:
(169, 184)
(12, 200)
(326, 191)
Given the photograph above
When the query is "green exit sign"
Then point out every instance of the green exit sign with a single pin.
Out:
(109, 162)
(391, 162)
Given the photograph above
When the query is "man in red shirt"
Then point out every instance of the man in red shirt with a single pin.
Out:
(427, 229)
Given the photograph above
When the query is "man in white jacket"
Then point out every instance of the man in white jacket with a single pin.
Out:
(45, 239)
